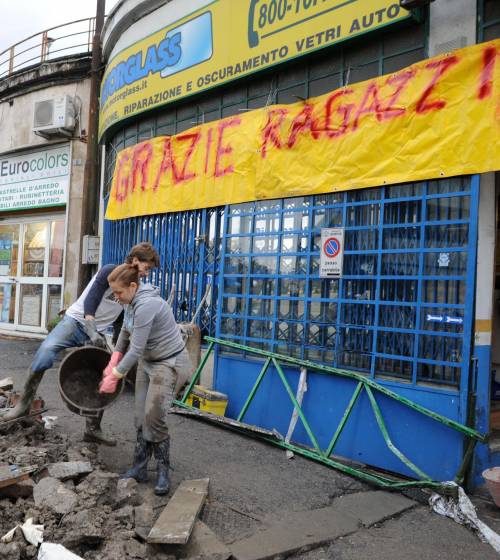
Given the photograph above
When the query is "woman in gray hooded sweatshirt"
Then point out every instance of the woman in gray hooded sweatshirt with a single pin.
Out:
(150, 338)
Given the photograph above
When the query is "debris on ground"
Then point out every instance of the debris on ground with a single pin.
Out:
(463, 512)
(67, 499)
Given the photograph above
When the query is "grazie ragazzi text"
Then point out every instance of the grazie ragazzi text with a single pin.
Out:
(210, 150)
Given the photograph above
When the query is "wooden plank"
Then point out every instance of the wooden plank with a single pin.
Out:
(176, 521)
(10, 476)
(227, 422)
(26, 416)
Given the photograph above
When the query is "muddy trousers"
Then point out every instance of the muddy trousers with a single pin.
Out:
(156, 385)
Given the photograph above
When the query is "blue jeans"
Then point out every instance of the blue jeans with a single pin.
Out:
(68, 333)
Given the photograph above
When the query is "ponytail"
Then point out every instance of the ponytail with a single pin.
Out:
(125, 274)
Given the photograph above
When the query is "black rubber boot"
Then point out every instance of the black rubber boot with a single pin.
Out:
(142, 453)
(162, 456)
(23, 407)
(94, 434)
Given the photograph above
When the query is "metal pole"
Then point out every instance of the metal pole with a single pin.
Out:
(90, 195)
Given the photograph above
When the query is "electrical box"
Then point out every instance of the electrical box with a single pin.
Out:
(90, 249)
(53, 116)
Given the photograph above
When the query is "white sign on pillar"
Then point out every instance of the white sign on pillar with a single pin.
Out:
(332, 252)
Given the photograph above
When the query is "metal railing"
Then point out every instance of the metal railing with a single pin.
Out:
(74, 37)
(372, 388)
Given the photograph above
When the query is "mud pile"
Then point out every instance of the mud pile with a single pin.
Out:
(81, 506)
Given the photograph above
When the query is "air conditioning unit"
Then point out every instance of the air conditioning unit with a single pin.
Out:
(54, 116)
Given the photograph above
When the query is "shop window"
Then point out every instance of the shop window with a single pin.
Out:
(362, 72)
(398, 311)
(7, 302)
(35, 244)
(9, 248)
(31, 305)
(56, 254)
(53, 301)
(189, 244)
(488, 20)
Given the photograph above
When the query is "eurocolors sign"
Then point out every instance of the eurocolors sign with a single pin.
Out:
(35, 179)
(228, 39)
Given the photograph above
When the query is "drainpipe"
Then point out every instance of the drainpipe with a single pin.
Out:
(90, 195)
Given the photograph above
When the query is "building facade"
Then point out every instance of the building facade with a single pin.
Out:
(412, 304)
(44, 102)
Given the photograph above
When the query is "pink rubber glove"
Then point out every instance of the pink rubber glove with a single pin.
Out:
(116, 358)
(109, 382)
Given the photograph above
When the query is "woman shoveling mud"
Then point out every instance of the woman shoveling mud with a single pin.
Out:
(151, 338)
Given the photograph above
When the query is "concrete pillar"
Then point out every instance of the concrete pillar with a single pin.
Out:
(452, 25)
(485, 260)
(485, 332)
(74, 223)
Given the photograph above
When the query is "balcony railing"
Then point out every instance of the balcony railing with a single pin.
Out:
(62, 40)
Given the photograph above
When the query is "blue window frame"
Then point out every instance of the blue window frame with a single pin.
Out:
(488, 27)
(189, 247)
(402, 309)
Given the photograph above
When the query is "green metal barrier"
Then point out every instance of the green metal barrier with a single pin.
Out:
(364, 384)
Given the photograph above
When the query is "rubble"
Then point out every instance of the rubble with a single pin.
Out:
(126, 492)
(144, 519)
(85, 510)
(69, 469)
(52, 493)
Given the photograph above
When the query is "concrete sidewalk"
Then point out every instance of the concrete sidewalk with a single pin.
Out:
(262, 505)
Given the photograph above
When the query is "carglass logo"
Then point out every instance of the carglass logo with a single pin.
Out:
(185, 46)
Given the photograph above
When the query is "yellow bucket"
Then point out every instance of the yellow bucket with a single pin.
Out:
(207, 400)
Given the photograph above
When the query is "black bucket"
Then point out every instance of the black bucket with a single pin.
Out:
(79, 376)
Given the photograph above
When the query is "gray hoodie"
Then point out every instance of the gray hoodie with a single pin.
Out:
(149, 329)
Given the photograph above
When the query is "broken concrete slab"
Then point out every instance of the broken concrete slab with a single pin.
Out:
(69, 469)
(135, 549)
(373, 507)
(203, 545)
(84, 527)
(176, 521)
(52, 493)
(27, 455)
(308, 529)
(124, 516)
(144, 519)
(127, 492)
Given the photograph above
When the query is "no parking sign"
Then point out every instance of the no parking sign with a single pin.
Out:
(332, 252)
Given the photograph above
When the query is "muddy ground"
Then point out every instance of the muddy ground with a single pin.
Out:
(251, 483)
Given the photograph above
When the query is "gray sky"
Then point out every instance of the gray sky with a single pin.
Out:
(21, 18)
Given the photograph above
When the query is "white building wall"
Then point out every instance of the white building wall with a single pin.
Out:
(16, 134)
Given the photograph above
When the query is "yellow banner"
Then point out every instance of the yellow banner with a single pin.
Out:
(228, 39)
(437, 118)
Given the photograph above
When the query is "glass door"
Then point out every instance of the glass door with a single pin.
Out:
(31, 273)
(9, 256)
